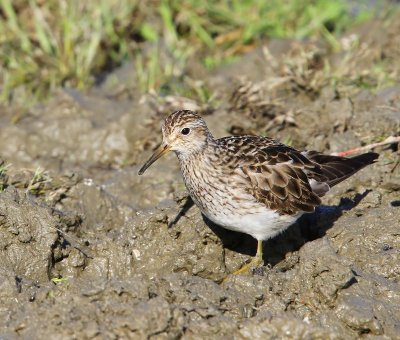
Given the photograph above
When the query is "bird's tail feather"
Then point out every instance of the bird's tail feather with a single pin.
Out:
(335, 169)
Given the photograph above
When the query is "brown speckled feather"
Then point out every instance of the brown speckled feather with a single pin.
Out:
(276, 173)
(279, 176)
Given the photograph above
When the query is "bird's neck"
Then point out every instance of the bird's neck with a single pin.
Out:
(198, 169)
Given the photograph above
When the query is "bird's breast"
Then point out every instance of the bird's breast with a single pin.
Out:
(216, 190)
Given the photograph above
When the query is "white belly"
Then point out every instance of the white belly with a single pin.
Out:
(262, 225)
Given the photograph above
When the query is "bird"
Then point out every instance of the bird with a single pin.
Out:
(250, 184)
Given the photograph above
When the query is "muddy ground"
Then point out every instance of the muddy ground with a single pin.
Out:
(88, 249)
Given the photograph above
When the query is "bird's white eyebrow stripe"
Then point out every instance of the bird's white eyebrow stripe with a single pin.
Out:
(177, 119)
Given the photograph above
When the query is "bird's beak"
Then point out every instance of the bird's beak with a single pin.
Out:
(161, 150)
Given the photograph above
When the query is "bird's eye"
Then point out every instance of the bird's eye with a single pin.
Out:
(185, 131)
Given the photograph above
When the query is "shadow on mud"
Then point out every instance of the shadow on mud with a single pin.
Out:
(308, 228)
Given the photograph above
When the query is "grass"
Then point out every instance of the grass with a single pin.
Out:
(35, 182)
(3, 174)
(47, 44)
(36, 185)
(59, 280)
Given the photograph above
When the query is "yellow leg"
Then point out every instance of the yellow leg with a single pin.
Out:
(255, 262)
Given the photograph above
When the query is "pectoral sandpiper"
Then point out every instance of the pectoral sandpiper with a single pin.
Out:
(254, 185)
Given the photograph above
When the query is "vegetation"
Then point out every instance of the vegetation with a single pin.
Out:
(37, 183)
(3, 174)
(46, 44)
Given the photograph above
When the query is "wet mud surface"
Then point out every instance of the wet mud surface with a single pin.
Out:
(89, 249)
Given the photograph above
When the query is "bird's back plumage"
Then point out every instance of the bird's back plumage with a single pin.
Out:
(285, 179)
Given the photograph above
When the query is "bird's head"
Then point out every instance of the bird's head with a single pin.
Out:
(184, 132)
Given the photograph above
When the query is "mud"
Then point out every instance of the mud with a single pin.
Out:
(88, 249)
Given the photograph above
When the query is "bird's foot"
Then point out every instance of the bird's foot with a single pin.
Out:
(255, 263)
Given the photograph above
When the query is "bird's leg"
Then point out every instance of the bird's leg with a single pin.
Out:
(255, 262)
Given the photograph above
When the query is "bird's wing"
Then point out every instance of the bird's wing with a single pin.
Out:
(288, 180)
(277, 175)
